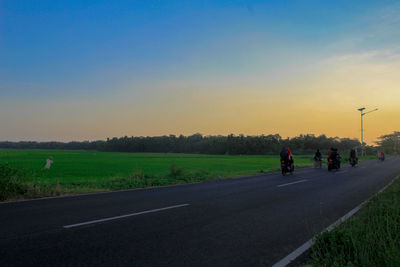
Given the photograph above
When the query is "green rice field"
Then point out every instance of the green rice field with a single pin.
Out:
(92, 171)
(88, 171)
(82, 166)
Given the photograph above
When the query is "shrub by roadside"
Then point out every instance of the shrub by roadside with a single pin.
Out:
(371, 238)
(11, 184)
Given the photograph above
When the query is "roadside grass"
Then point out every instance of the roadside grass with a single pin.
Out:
(11, 183)
(90, 171)
(371, 238)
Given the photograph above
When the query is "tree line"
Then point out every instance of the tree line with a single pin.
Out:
(390, 143)
(197, 143)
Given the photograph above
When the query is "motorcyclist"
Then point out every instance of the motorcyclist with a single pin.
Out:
(330, 153)
(334, 156)
(317, 159)
(318, 155)
(290, 156)
(286, 155)
(382, 155)
(353, 156)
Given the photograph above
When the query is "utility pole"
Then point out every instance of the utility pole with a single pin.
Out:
(362, 127)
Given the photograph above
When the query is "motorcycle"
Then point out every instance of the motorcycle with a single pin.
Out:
(334, 163)
(353, 161)
(286, 167)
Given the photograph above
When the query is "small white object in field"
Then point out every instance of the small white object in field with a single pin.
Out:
(48, 164)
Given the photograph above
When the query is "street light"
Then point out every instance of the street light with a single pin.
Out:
(362, 126)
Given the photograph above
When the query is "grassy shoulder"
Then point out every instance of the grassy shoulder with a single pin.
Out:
(371, 238)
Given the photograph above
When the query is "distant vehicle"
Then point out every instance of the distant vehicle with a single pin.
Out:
(287, 163)
(334, 162)
(381, 156)
(353, 161)
(286, 167)
(318, 159)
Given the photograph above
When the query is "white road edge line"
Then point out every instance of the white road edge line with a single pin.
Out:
(301, 181)
(124, 216)
(303, 248)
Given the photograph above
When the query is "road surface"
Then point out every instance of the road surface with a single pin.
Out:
(250, 221)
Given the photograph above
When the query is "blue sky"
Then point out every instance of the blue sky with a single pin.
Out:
(71, 51)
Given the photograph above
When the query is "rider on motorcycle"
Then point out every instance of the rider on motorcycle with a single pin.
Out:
(317, 159)
(330, 152)
(286, 160)
(334, 156)
(353, 157)
(318, 155)
(286, 155)
(381, 155)
(353, 153)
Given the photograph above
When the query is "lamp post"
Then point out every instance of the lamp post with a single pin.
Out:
(362, 127)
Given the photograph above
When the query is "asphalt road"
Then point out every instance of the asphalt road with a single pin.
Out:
(251, 221)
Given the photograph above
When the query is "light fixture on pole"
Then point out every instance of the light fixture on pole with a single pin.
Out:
(362, 126)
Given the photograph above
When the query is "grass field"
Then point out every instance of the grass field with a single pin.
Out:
(371, 238)
(91, 171)
(90, 165)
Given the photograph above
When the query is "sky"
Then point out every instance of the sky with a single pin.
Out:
(88, 70)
